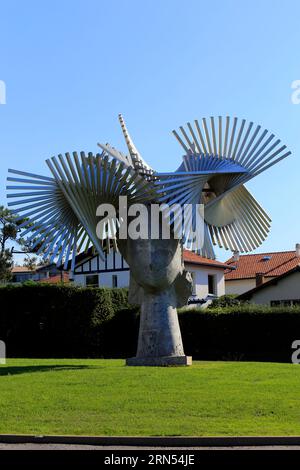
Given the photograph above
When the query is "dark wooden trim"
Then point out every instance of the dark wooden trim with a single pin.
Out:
(103, 271)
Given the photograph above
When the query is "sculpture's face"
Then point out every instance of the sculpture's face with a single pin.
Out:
(155, 264)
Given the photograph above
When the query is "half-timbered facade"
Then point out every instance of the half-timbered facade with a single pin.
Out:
(113, 271)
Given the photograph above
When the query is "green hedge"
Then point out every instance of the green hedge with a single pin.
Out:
(41, 320)
(246, 332)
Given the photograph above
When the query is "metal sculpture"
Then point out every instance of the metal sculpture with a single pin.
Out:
(61, 214)
(215, 167)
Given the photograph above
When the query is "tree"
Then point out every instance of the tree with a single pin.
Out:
(30, 262)
(8, 229)
(8, 232)
(6, 262)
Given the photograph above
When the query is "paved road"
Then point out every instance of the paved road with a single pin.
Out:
(30, 446)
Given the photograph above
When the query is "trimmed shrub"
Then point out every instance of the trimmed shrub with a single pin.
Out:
(247, 332)
(229, 300)
(56, 320)
(42, 320)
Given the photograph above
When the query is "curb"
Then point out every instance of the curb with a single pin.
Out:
(154, 441)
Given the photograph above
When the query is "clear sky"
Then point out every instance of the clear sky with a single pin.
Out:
(71, 66)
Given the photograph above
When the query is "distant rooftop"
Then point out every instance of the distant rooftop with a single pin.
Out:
(190, 257)
(269, 264)
(21, 269)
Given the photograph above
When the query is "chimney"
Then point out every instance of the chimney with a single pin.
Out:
(259, 279)
(298, 250)
(236, 255)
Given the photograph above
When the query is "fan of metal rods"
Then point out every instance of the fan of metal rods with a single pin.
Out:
(60, 212)
(219, 158)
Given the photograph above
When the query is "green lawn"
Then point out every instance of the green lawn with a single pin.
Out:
(103, 397)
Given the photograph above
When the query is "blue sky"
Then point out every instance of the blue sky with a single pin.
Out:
(71, 66)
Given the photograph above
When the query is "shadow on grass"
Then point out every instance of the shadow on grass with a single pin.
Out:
(15, 370)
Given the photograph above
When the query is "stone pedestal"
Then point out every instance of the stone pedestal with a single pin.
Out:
(159, 342)
(159, 333)
(162, 361)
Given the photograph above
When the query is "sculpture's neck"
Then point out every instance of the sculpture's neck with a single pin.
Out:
(159, 328)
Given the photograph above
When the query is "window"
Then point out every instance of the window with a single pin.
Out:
(193, 274)
(211, 284)
(92, 280)
(285, 303)
(114, 280)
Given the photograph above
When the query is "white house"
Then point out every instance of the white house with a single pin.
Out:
(91, 270)
(207, 274)
(46, 273)
(113, 271)
(281, 290)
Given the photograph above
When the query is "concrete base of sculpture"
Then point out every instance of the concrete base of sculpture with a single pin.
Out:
(162, 361)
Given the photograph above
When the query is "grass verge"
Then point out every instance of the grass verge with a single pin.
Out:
(103, 397)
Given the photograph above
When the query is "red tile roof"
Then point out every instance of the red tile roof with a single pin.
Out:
(190, 257)
(248, 266)
(22, 269)
(62, 277)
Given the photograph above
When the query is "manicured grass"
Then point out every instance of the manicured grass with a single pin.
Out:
(103, 397)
